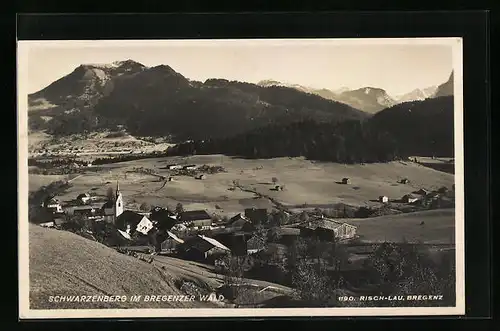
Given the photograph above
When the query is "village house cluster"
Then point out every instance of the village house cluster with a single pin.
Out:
(192, 234)
(199, 235)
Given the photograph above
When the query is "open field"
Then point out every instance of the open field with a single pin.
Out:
(63, 263)
(37, 181)
(438, 227)
(306, 182)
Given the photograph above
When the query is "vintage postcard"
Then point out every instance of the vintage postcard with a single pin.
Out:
(239, 178)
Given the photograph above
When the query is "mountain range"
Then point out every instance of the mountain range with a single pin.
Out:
(369, 99)
(158, 101)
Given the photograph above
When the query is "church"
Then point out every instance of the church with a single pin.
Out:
(113, 208)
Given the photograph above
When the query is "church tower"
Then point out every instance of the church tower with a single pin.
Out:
(118, 201)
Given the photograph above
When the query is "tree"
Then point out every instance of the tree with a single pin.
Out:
(312, 284)
(233, 274)
(145, 206)
(110, 194)
(179, 208)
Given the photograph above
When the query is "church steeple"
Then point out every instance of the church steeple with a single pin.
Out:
(117, 189)
(119, 205)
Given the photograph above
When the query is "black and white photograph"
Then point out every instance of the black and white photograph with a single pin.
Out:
(244, 177)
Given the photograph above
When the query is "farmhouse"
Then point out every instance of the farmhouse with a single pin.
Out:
(179, 228)
(422, 191)
(327, 229)
(47, 224)
(83, 198)
(171, 242)
(201, 176)
(203, 248)
(236, 242)
(162, 218)
(87, 212)
(284, 236)
(190, 167)
(255, 244)
(346, 180)
(383, 198)
(174, 166)
(404, 181)
(53, 205)
(410, 198)
(257, 216)
(125, 234)
(130, 221)
(240, 222)
(196, 218)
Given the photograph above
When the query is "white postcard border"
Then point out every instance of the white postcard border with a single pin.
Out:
(23, 237)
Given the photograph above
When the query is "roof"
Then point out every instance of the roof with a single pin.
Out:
(256, 214)
(128, 218)
(421, 191)
(323, 223)
(285, 231)
(238, 217)
(204, 244)
(194, 215)
(214, 242)
(124, 234)
(410, 195)
(174, 237)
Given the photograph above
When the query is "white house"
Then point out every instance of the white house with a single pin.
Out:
(83, 198)
(144, 226)
(47, 224)
(53, 205)
(383, 198)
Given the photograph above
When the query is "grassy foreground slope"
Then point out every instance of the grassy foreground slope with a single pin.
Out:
(62, 263)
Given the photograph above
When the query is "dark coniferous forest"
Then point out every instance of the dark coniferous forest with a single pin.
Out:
(412, 128)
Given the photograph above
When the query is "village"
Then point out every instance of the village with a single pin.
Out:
(198, 234)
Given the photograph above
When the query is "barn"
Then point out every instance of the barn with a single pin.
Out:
(257, 215)
(327, 229)
(202, 248)
(196, 218)
(171, 242)
(410, 198)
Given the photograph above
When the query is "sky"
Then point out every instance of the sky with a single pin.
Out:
(396, 66)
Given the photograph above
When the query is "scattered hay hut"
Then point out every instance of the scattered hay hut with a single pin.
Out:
(443, 189)
(383, 198)
(410, 198)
